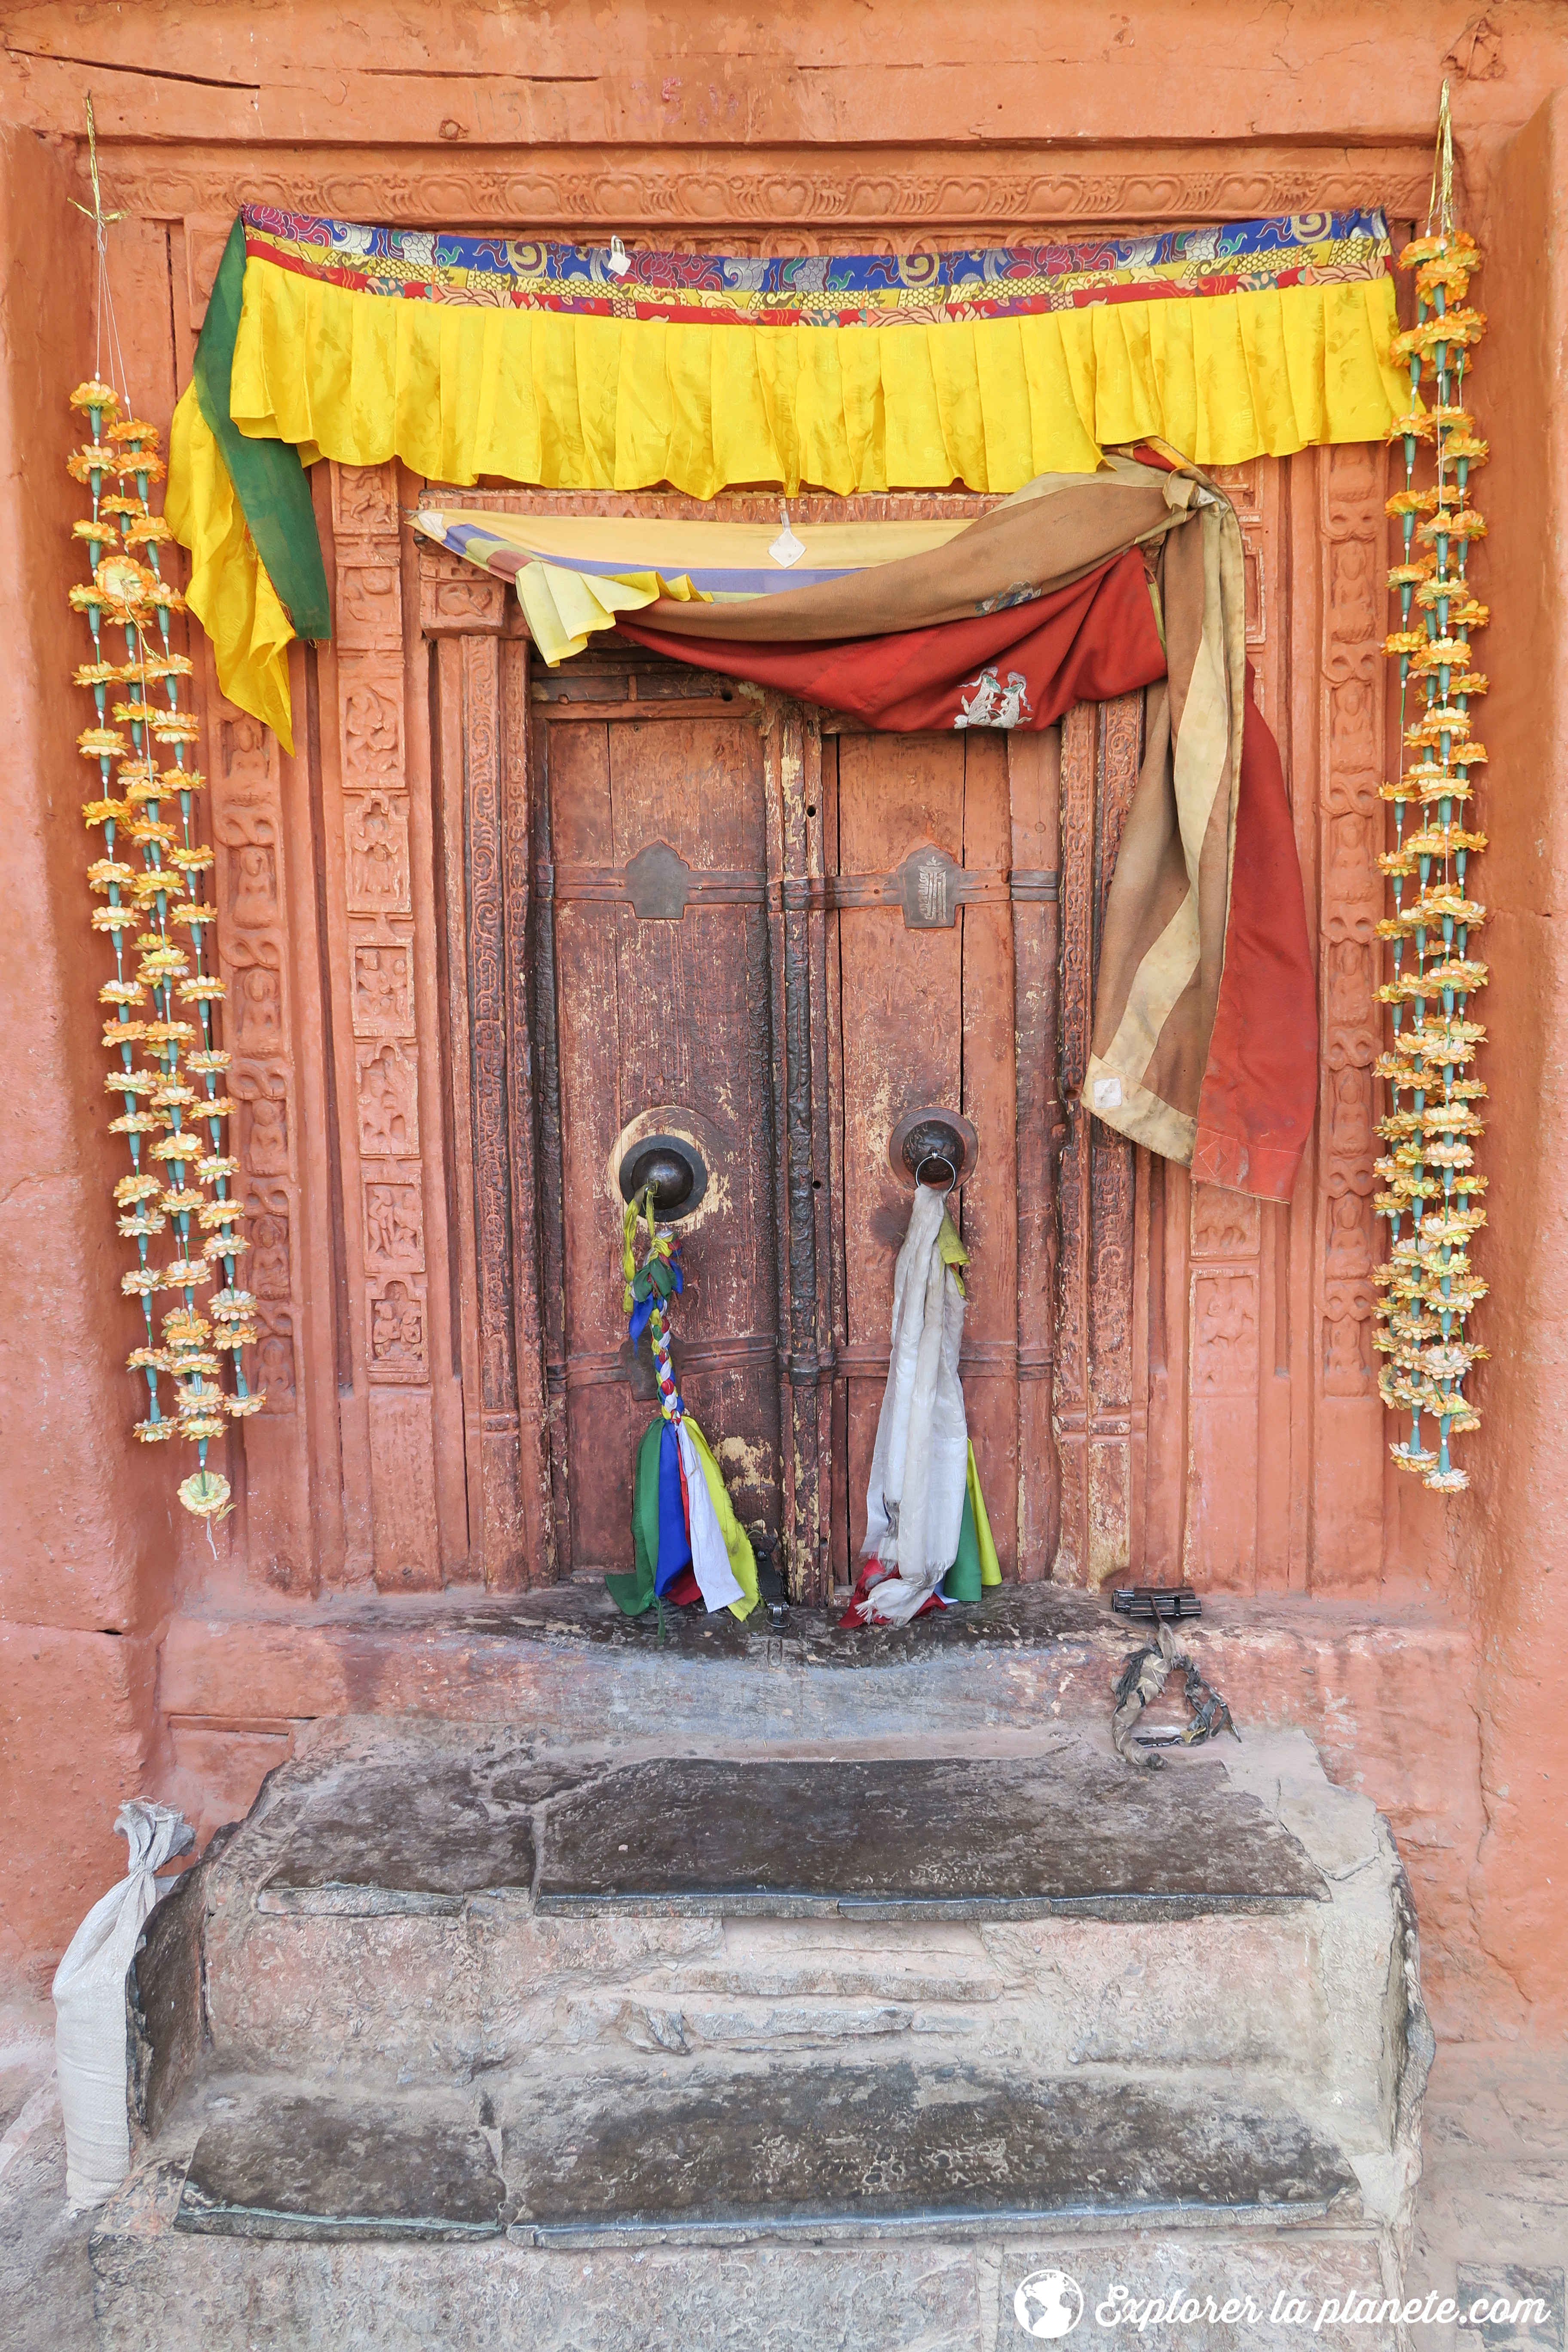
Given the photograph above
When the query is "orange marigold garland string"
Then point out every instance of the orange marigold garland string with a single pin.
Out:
(1432, 1199)
(150, 877)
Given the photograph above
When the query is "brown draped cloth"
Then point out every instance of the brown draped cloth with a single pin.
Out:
(1077, 588)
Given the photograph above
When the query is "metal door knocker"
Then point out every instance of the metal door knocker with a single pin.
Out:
(669, 1167)
(934, 1146)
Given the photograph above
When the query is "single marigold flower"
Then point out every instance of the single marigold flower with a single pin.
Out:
(95, 393)
(144, 465)
(1455, 522)
(92, 458)
(1415, 425)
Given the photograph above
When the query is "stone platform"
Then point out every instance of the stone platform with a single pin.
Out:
(598, 2031)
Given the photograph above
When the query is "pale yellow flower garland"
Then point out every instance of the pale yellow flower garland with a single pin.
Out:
(1432, 1198)
(180, 1177)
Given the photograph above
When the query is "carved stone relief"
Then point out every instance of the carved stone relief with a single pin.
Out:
(397, 1333)
(393, 1226)
(382, 986)
(388, 1101)
(1224, 1334)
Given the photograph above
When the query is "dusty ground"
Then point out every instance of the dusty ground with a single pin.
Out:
(1493, 2214)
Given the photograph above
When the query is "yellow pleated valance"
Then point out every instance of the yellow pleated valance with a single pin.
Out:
(465, 383)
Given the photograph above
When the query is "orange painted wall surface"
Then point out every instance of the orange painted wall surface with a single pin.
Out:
(810, 124)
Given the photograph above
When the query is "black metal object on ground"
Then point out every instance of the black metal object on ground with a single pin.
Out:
(1147, 1601)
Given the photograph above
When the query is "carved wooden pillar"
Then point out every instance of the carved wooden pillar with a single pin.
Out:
(1100, 1419)
(1348, 1450)
(383, 925)
(484, 816)
(794, 759)
(1033, 776)
(1219, 1343)
(271, 990)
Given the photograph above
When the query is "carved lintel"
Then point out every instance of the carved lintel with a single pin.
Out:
(456, 598)
(1016, 188)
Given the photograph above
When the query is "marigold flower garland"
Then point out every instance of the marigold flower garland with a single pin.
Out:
(179, 1180)
(1432, 1199)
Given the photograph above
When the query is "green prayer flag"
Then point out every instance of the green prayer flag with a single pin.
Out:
(961, 1581)
(977, 1565)
(268, 479)
(633, 1594)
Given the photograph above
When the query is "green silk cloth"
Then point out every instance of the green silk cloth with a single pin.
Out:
(268, 479)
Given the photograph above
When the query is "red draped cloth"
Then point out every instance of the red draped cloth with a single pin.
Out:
(1094, 638)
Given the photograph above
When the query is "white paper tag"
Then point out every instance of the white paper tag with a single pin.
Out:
(787, 549)
(1108, 1094)
(615, 262)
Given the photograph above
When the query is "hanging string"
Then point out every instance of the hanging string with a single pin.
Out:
(103, 303)
(1440, 204)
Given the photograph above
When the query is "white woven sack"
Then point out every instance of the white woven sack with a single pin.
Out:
(90, 2052)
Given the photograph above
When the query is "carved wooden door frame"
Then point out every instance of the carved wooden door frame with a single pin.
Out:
(1214, 1387)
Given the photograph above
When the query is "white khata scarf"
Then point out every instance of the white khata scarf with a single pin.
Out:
(914, 1506)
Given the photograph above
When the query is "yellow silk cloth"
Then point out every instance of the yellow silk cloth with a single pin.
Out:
(569, 401)
(230, 591)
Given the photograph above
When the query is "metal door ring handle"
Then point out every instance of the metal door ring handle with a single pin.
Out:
(937, 1160)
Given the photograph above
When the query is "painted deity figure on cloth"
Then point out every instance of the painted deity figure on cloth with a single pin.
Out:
(992, 704)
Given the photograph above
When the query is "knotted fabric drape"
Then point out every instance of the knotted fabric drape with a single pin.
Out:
(513, 359)
(1075, 589)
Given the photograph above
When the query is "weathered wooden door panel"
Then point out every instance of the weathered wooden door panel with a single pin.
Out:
(661, 1013)
(925, 1015)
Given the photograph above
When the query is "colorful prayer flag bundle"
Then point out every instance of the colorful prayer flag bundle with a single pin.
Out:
(149, 877)
(687, 1543)
(1432, 1190)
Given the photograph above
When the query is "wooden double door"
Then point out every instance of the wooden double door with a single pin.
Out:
(775, 937)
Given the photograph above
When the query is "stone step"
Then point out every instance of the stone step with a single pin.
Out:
(486, 2037)
(413, 1906)
(754, 2151)
(813, 2205)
